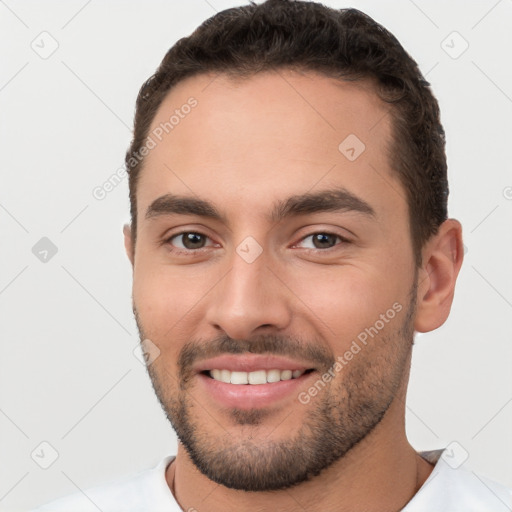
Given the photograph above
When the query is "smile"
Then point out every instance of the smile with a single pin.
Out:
(255, 377)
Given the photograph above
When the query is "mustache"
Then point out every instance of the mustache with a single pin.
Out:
(269, 344)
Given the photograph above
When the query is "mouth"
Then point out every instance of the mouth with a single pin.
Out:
(255, 377)
(254, 390)
(248, 381)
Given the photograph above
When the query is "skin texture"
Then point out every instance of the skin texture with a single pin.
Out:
(245, 146)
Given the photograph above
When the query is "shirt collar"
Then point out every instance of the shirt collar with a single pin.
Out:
(457, 489)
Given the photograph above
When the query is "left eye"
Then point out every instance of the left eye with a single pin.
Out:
(321, 241)
(190, 240)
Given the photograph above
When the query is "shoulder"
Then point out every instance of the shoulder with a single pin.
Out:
(146, 490)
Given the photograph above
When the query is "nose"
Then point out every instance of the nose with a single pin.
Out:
(249, 300)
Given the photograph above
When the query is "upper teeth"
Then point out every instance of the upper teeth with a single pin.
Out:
(256, 377)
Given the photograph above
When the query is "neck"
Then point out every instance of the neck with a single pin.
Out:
(380, 474)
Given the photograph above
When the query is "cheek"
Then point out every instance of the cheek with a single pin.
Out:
(168, 300)
(342, 302)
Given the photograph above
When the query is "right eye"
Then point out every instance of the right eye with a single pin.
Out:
(189, 241)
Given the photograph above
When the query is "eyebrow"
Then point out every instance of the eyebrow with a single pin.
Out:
(330, 200)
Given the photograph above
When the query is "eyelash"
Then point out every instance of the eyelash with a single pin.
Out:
(191, 252)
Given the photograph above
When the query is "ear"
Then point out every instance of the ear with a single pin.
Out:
(127, 232)
(442, 259)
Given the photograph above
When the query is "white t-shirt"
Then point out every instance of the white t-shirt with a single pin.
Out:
(445, 490)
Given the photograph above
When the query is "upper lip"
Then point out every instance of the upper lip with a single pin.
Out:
(250, 363)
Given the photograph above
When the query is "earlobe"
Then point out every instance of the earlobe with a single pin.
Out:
(127, 232)
(442, 259)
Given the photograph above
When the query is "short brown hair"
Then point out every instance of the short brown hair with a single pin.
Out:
(341, 43)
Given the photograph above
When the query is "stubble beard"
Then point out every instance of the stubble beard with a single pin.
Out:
(343, 413)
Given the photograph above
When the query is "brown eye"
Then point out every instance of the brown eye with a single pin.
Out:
(193, 240)
(322, 240)
(189, 240)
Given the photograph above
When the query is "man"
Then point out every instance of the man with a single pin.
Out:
(289, 236)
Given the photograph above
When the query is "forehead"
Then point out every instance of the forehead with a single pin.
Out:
(249, 141)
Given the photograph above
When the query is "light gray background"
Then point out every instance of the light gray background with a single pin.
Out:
(68, 373)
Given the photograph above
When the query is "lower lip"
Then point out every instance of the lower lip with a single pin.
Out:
(252, 396)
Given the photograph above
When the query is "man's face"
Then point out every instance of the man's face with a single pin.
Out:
(279, 250)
